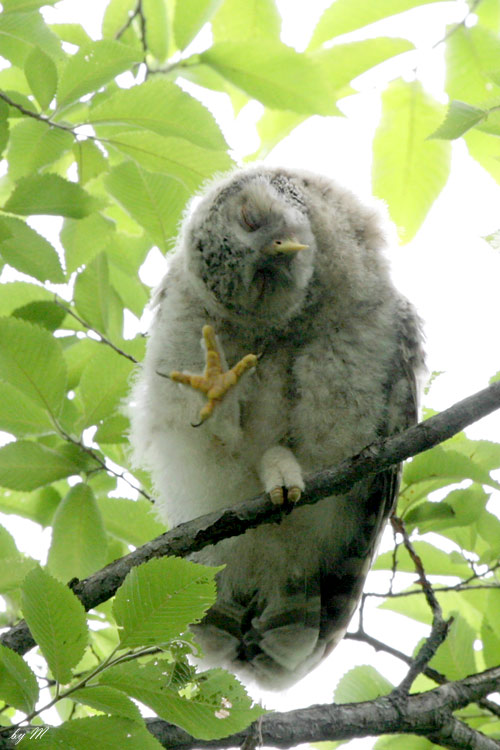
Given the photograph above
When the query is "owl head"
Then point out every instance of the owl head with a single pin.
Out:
(249, 246)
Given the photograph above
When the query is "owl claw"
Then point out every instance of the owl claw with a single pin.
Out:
(277, 496)
(215, 382)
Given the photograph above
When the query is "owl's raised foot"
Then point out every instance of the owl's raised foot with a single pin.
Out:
(215, 381)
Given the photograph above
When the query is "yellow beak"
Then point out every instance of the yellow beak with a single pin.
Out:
(284, 246)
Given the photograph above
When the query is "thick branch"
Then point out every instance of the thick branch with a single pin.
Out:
(211, 528)
(426, 714)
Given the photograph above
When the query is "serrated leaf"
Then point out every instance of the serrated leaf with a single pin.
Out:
(73, 33)
(461, 507)
(190, 16)
(92, 293)
(13, 565)
(273, 73)
(108, 700)
(29, 252)
(33, 145)
(93, 66)
(57, 622)
(344, 16)
(19, 687)
(409, 171)
(26, 466)
(41, 74)
(156, 27)
(159, 599)
(20, 415)
(360, 684)
(31, 360)
(20, 32)
(132, 521)
(218, 707)
(50, 194)
(446, 465)
(110, 732)
(176, 157)
(483, 147)
(160, 106)
(4, 126)
(102, 392)
(460, 118)
(79, 543)
(155, 201)
(116, 15)
(250, 20)
(38, 506)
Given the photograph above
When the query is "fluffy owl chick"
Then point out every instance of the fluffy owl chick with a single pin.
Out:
(287, 265)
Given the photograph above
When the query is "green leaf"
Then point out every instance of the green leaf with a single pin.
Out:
(83, 239)
(106, 732)
(116, 15)
(31, 360)
(30, 253)
(79, 544)
(13, 565)
(435, 561)
(50, 194)
(361, 684)
(160, 106)
(20, 33)
(21, 6)
(160, 598)
(33, 145)
(461, 507)
(92, 293)
(455, 657)
(102, 393)
(41, 74)
(256, 19)
(472, 56)
(176, 157)
(409, 171)
(343, 62)
(108, 700)
(73, 33)
(411, 743)
(343, 16)
(38, 506)
(93, 66)
(20, 415)
(444, 465)
(218, 705)
(19, 687)
(57, 621)
(274, 74)
(17, 294)
(190, 16)
(156, 27)
(155, 201)
(460, 118)
(90, 160)
(49, 315)
(26, 466)
(132, 521)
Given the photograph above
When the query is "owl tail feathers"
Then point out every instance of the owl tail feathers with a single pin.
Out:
(274, 649)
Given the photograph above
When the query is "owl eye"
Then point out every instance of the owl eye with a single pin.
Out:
(249, 223)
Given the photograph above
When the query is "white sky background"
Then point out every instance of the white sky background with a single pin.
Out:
(448, 271)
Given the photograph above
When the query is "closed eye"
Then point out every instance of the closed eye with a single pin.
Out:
(248, 222)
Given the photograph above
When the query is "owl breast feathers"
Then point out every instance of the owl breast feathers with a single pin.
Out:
(286, 265)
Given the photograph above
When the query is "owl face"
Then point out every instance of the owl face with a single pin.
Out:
(252, 247)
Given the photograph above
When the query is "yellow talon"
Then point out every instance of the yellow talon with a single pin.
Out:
(215, 382)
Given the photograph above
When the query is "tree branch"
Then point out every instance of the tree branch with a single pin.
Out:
(426, 714)
(213, 527)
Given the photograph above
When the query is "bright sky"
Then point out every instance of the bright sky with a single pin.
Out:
(448, 271)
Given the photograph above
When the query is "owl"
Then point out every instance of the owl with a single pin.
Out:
(279, 347)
